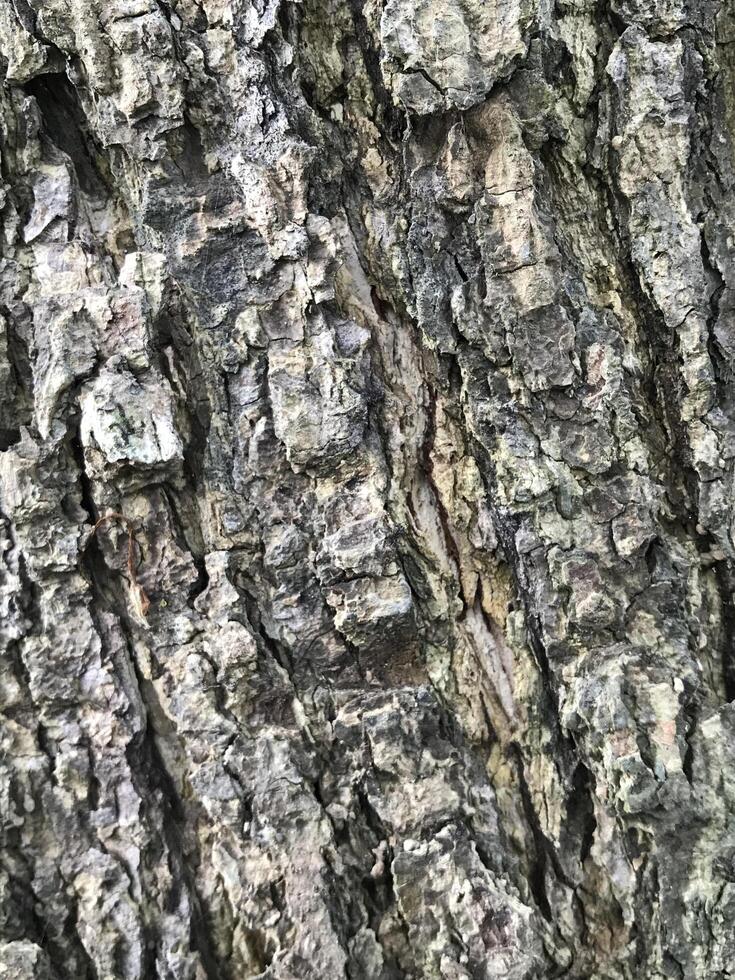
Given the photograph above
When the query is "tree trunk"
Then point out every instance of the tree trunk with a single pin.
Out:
(368, 430)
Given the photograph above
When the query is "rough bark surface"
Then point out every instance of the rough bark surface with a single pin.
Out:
(367, 477)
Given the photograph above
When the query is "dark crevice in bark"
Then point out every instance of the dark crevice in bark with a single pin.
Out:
(8, 438)
(506, 527)
(382, 899)
(65, 124)
(86, 496)
(726, 588)
(20, 382)
(581, 820)
(155, 783)
(427, 460)
(391, 120)
(537, 878)
(279, 654)
(201, 582)
(723, 370)
(663, 383)
(164, 809)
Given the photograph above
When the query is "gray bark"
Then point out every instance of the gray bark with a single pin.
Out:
(368, 441)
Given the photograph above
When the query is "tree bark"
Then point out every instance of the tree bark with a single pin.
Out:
(368, 435)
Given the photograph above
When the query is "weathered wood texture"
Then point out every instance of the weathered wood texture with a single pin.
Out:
(399, 336)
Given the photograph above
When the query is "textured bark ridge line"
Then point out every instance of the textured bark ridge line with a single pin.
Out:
(400, 335)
